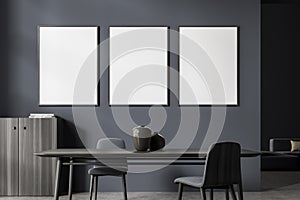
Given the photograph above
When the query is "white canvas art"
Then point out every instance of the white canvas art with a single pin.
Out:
(68, 65)
(208, 66)
(138, 66)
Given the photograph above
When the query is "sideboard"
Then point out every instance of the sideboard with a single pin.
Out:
(22, 173)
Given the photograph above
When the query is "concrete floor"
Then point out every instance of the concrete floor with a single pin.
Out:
(291, 192)
(286, 194)
(275, 186)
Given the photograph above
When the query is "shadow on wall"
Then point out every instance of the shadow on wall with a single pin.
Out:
(69, 137)
(277, 180)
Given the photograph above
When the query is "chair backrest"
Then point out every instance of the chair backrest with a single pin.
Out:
(223, 165)
(112, 143)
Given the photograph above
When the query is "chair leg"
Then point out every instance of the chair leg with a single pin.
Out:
(203, 193)
(240, 191)
(96, 187)
(227, 193)
(211, 194)
(180, 189)
(91, 186)
(233, 192)
(70, 179)
(124, 186)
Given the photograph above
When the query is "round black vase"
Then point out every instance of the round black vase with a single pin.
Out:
(157, 142)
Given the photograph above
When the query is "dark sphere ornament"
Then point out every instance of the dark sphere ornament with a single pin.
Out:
(157, 142)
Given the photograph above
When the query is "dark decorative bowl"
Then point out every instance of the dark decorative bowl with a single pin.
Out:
(157, 142)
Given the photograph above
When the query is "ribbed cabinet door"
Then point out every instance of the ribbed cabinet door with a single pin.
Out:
(9, 156)
(36, 174)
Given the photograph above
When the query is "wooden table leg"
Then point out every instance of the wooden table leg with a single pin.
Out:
(57, 178)
(70, 179)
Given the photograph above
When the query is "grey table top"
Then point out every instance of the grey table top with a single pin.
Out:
(165, 153)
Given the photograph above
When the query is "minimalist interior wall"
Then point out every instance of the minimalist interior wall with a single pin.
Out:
(3, 53)
(280, 80)
(242, 122)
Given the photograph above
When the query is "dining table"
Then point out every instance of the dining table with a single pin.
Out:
(83, 156)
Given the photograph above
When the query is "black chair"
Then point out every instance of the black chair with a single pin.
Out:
(222, 171)
(110, 167)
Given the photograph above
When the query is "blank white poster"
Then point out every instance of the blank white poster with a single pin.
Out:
(138, 70)
(208, 66)
(68, 64)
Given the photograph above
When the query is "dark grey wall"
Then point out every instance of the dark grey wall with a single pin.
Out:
(242, 122)
(280, 80)
(3, 53)
(280, 77)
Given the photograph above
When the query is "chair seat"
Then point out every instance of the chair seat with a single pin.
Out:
(106, 171)
(194, 181)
